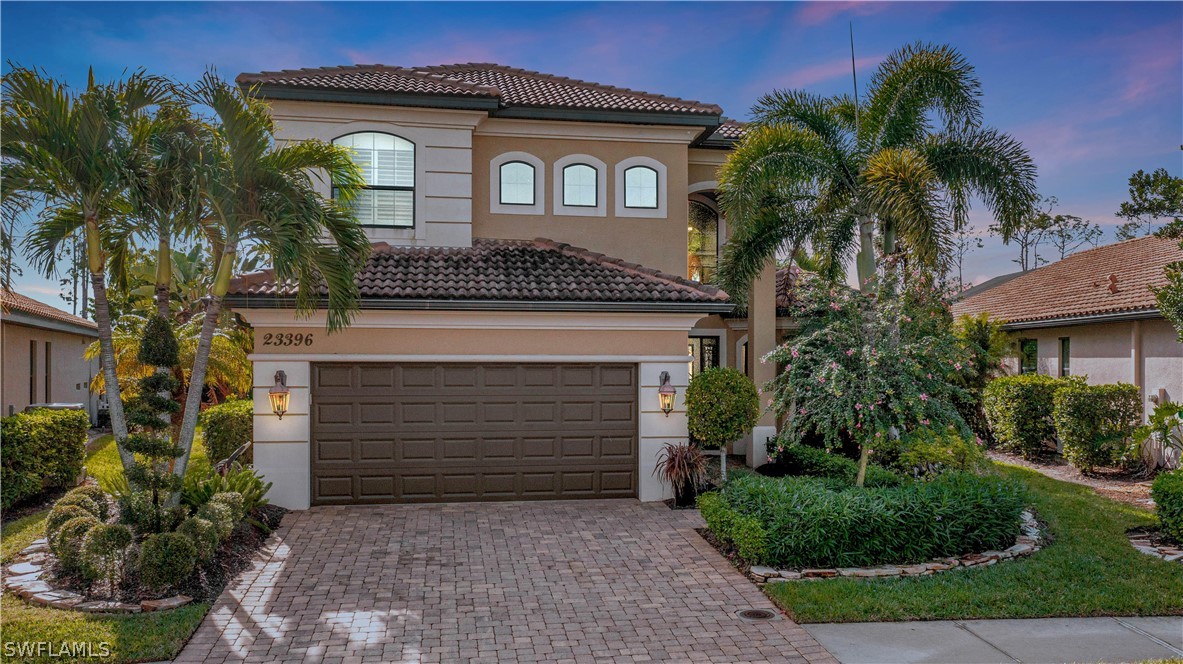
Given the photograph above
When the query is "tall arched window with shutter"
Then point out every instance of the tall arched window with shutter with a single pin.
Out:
(388, 164)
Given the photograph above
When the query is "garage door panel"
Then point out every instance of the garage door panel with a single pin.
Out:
(453, 432)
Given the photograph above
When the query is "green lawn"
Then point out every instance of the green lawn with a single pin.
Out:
(135, 638)
(1089, 570)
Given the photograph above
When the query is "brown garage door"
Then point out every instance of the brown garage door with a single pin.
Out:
(385, 433)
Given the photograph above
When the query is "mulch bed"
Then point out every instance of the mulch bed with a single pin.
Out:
(38, 503)
(1132, 488)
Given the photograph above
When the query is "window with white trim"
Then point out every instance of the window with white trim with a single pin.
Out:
(387, 163)
(640, 187)
(517, 183)
(579, 186)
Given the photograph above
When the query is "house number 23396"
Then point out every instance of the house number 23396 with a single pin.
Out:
(287, 339)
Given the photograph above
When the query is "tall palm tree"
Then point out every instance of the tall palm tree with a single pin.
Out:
(72, 151)
(263, 195)
(887, 177)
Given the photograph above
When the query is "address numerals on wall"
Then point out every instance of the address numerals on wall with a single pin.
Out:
(286, 339)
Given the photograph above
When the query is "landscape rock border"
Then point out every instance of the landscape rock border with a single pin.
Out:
(1142, 541)
(1031, 540)
(23, 578)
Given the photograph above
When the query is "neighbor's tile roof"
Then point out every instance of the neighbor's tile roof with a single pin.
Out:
(1112, 279)
(510, 86)
(13, 301)
(502, 270)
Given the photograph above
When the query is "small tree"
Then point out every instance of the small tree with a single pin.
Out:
(722, 405)
(1153, 197)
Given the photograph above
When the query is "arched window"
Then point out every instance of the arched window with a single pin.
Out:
(579, 186)
(640, 187)
(702, 260)
(388, 164)
(517, 183)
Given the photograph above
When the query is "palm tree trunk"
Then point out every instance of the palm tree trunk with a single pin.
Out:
(865, 261)
(164, 273)
(102, 314)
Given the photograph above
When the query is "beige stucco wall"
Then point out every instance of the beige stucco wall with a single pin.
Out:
(69, 376)
(654, 242)
(1105, 353)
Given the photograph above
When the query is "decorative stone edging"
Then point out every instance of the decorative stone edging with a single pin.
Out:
(23, 578)
(1143, 543)
(1028, 543)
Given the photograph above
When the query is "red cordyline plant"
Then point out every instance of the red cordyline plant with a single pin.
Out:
(684, 467)
(868, 367)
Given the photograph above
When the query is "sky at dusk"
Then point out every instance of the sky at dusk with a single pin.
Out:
(1094, 90)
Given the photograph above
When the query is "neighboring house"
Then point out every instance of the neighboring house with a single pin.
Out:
(43, 355)
(1093, 314)
(539, 247)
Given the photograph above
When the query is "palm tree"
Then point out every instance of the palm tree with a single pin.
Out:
(263, 195)
(71, 151)
(884, 178)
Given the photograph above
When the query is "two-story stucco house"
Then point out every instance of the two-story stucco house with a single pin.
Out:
(541, 246)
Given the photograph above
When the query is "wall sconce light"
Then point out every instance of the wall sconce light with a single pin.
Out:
(279, 394)
(666, 394)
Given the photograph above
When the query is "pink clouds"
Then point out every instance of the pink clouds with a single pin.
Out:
(816, 13)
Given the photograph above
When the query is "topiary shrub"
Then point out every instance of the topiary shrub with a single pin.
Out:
(813, 462)
(228, 426)
(104, 550)
(137, 511)
(233, 502)
(1095, 423)
(85, 502)
(221, 516)
(166, 559)
(925, 453)
(95, 493)
(808, 522)
(66, 543)
(722, 406)
(59, 515)
(41, 449)
(1167, 492)
(203, 535)
(1019, 409)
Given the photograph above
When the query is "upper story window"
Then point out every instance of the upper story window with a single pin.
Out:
(517, 183)
(702, 243)
(640, 187)
(388, 164)
(579, 186)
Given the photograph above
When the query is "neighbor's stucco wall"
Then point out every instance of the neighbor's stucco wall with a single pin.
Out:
(1105, 353)
(658, 242)
(69, 377)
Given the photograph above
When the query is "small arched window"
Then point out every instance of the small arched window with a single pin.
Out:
(517, 183)
(388, 164)
(579, 186)
(640, 187)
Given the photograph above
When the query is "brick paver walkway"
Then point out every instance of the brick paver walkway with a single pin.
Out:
(588, 581)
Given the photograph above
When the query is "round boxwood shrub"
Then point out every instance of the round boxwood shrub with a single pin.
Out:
(721, 406)
(1167, 492)
(85, 502)
(103, 551)
(66, 543)
(59, 515)
(138, 511)
(95, 493)
(203, 535)
(166, 559)
(233, 501)
(808, 522)
(220, 516)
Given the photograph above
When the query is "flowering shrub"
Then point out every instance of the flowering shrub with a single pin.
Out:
(864, 367)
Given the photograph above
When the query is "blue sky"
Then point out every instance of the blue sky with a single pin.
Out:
(1095, 90)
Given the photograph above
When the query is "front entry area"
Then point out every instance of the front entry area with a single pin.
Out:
(445, 432)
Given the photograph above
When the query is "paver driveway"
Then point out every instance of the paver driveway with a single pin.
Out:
(604, 580)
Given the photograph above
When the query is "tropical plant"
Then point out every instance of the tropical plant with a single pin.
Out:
(263, 194)
(1164, 427)
(71, 151)
(721, 407)
(873, 177)
(988, 346)
(684, 468)
(867, 368)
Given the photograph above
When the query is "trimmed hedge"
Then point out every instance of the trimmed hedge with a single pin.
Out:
(815, 462)
(799, 522)
(41, 449)
(1095, 422)
(1019, 409)
(1167, 492)
(227, 427)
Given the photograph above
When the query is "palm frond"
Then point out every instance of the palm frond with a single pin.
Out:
(905, 193)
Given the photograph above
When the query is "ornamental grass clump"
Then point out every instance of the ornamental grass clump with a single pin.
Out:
(808, 522)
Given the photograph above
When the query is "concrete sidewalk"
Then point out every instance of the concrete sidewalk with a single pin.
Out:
(982, 641)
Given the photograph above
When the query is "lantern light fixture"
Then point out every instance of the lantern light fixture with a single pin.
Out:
(280, 395)
(666, 394)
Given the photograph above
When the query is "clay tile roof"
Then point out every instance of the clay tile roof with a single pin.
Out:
(732, 130)
(786, 279)
(540, 270)
(13, 301)
(1116, 278)
(510, 86)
